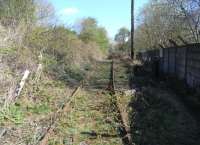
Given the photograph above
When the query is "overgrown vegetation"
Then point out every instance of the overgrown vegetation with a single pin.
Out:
(90, 121)
(59, 58)
(62, 49)
(161, 20)
(56, 56)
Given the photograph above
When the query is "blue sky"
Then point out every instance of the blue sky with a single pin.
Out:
(111, 14)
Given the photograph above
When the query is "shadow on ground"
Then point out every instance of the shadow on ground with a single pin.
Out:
(157, 116)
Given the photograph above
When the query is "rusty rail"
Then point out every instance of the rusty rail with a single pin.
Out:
(63, 109)
(66, 108)
(124, 127)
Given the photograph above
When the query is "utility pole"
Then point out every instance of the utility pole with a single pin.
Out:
(132, 28)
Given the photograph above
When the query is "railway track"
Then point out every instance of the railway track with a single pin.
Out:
(63, 109)
(113, 78)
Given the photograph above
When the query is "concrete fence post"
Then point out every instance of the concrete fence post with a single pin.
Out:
(175, 61)
(186, 63)
(168, 63)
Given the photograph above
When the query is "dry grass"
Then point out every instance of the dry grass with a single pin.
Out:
(89, 121)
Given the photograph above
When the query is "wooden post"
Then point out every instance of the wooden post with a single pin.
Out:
(39, 69)
(132, 28)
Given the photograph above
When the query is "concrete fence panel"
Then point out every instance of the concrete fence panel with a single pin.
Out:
(182, 62)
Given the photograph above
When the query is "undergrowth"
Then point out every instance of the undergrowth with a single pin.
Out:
(89, 121)
(13, 113)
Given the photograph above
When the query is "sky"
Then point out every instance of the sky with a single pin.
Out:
(111, 14)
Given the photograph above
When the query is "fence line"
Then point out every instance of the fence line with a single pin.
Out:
(180, 61)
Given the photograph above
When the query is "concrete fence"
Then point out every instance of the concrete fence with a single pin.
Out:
(182, 62)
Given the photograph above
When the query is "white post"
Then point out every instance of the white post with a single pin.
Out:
(14, 92)
(22, 83)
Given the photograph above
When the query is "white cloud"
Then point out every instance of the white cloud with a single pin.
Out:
(69, 11)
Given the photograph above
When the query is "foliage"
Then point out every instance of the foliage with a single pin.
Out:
(30, 39)
(161, 20)
(64, 54)
(13, 114)
(39, 108)
(14, 11)
(90, 31)
(123, 39)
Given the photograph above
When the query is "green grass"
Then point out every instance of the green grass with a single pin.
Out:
(13, 113)
(39, 108)
(88, 115)
(7, 50)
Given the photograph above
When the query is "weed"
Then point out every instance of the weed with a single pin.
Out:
(13, 113)
(87, 121)
(39, 108)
